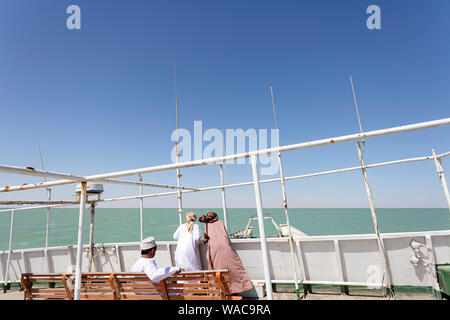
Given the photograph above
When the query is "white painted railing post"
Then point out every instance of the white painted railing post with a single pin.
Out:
(262, 233)
(91, 239)
(224, 204)
(432, 260)
(47, 231)
(177, 145)
(179, 196)
(80, 241)
(440, 172)
(49, 195)
(11, 231)
(47, 227)
(141, 208)
(291, 240)
(374, 218)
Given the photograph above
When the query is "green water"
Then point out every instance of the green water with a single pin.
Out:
(122, 225)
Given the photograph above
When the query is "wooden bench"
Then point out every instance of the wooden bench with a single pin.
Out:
(191, 285)
(33, 292)
(94, 286)
(200, 285)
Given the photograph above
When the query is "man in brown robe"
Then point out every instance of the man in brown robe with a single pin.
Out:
(220, 255)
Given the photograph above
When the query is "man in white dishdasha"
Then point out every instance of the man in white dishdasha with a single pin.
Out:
(146, 263)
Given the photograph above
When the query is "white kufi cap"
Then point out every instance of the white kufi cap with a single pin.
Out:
(148, 243)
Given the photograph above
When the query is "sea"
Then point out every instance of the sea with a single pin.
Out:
(114, 225)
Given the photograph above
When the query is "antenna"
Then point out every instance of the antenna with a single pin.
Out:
(42, 160)
(224, 163)
(179, 196)
(43, 168)
(176, 113)
(49, 194)
(283, 190)
(356, 105)
(273, 105)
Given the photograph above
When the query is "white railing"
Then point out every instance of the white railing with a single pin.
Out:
(253, 155)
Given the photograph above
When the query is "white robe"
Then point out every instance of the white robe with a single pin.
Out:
(185, 254)
(155, 274)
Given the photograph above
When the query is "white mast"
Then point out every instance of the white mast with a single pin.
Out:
(179, 195)
(285, 206)
(381, 248)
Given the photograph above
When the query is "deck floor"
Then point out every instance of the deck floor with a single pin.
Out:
(16, 294)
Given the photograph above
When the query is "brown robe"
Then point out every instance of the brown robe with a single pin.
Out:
(220, 255)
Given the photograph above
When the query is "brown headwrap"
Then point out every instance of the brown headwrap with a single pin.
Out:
(209, 218)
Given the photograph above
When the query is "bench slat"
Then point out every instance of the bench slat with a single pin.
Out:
(48, 290)
(106, 289)
(48, 297)
(141, 297)
(46, 280)
(96, 297)
(195, 297)
(208, 279)
(199, 291)
(191, 285)
(140, 284)
(141, 290)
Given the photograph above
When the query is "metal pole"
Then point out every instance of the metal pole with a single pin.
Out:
(222, 182)
(141, 208)
(47, 231)
(49, 194)
(291, 240)
(91, 239)
(144, 184)
(37, 207)
(374, 217)
(440, 172)
(224, 204)
(180, 205)
(10, 247)
(80, 241)
(432, 267)
(262, 233)
(356, 104)
(47, 226)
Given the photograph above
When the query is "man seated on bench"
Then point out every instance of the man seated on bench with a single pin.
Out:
(147, 263)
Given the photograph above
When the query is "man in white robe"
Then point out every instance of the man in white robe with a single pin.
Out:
(187, 241)
(146, 263)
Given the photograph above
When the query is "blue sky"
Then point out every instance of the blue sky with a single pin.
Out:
(101, 99)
